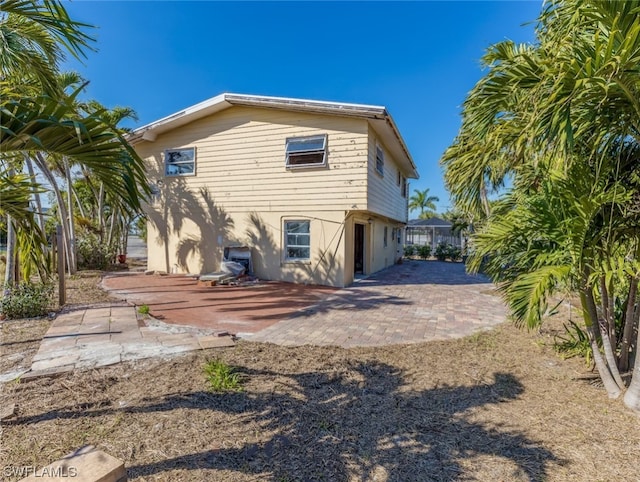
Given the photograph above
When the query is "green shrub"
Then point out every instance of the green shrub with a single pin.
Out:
(424, 251)
(409, 250)
(221, 377)
(26, 300)
(143, 309)
(574, 343)
(442, 252)
(454, 253)
(93, 253)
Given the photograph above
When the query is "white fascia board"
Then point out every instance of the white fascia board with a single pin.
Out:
(336, 108)
(150, 131)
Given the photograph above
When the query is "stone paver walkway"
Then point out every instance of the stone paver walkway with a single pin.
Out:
(95, 337)
(410, 303)
(414, 302)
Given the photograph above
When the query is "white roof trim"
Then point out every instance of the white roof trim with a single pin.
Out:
(149, 132)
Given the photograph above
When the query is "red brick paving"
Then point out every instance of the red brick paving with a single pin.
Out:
(236, 309)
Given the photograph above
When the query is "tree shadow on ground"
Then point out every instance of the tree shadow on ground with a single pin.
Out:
(321, 434)
(358, 422)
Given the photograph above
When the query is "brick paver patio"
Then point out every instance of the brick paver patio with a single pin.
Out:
(410, 303)
(414, 302)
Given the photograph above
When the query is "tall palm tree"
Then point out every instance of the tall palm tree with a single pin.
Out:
(43, 124)
(35, 36)
(550, 116)
(40, 120)
(420, 200)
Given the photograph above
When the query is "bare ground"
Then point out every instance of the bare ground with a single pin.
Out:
(496, 406)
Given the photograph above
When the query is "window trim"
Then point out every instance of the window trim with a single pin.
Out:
(166, 163)
(289, 140)
(404, 187)
(379, 160)
(285, 250)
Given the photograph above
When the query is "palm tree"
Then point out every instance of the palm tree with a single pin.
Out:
(42, 122)
(420, 200)
(35, 36)
(561, 119)
(553, 240)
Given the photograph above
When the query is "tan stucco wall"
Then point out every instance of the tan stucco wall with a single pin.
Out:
(197, 247)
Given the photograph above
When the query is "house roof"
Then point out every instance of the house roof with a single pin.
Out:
(377, 116)
(437, 222)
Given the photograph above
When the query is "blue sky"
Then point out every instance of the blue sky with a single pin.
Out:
(419, 59)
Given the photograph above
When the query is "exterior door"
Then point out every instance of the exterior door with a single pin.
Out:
(358, 249)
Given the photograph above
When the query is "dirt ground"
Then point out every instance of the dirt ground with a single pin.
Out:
(498, 406)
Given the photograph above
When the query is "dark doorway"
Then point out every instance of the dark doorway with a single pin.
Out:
(358, 249)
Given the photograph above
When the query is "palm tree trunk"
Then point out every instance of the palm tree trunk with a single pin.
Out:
(72, 225)
(36, 193)
(632, 397)
(629, 325)
(591, 319)
(608, 331)
(10, 266)
(42, 164)
(608, 310)
(79, 204)
(101, 218)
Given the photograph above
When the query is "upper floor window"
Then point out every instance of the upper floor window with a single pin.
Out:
(380, 160)
(307, 151)
(404, 186)
(180, 162)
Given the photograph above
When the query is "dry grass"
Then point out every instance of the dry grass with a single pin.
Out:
(496, 406)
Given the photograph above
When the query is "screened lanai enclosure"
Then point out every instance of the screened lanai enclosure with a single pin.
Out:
(432, 232)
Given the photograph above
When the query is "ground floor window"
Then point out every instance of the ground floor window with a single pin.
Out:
(297, 240)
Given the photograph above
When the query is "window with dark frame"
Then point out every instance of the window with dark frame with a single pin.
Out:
(297, 240)
(309, 151)
(386, 234)
(380, 160)
(405, 186)
(180, 162)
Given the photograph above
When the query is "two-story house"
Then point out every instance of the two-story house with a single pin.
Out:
(317, 190)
